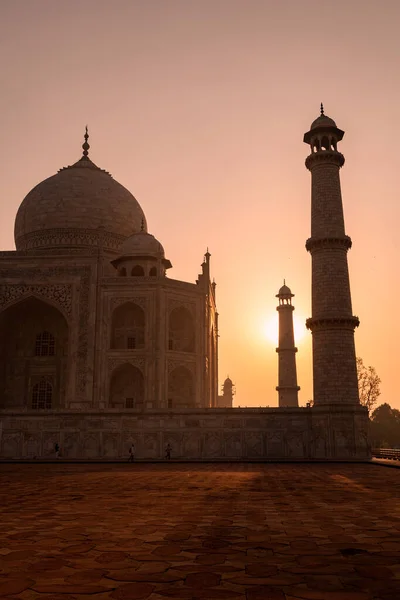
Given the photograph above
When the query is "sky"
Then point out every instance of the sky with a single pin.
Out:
(199, 108)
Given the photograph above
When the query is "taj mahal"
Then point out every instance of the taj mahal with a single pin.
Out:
(101, 348)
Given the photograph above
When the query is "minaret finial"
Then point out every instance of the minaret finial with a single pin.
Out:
(142, 225)
(85, 145)
(322, 109)
(284, 281)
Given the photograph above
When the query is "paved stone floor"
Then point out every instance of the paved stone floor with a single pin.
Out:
(250, 531)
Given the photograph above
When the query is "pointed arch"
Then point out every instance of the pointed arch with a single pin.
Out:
(128, 327)
(127, 387)
(181, 336)
(33, 348)
(181, 391)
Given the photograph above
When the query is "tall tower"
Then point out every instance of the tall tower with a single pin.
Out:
(332, 323)
(287, 376)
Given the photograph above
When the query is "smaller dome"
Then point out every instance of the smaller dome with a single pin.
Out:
(228, 381)
(141, 244)
(322, 121)
(285, 292)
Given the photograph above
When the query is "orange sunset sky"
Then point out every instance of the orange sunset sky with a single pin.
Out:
(199, 108)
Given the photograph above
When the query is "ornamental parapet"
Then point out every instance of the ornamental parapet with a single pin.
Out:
(313, 244)
(323, 156)
(332, 323)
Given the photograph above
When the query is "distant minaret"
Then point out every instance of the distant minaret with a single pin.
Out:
(287, 388)
(332, 323)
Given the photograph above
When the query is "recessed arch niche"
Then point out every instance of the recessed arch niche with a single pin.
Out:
(33, 355)
(127, 387)
(128, 327)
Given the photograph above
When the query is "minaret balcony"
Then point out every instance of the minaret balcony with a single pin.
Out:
(313, 244)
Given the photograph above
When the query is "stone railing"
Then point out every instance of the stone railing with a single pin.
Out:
(392, 453)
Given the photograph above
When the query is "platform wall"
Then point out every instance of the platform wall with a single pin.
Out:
(329, 432)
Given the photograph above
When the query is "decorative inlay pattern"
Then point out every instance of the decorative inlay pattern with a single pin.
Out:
(115, 362)
(60, 294)
(139, 300)
(70, 237)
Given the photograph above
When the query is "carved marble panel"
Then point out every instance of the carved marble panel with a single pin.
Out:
(127, 439)
(175, 440)
(253, 444)
(275, 444)
(11, 445)
(71, 445)
(191, 444)
(295, 445)
(32, 445)
(151, 445)
(110, 445)
(233, 445)
(49, 440)
(212, 445)
(91, 444)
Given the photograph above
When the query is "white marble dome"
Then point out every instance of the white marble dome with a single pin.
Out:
(81, 205)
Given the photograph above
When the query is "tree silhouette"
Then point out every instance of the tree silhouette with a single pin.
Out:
(385, 427)
(368, 384)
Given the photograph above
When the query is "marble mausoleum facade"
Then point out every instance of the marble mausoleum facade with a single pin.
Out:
(99, 348)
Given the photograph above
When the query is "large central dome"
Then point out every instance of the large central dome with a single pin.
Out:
(80, 206)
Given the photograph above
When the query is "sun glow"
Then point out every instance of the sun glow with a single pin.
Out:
(271, 329)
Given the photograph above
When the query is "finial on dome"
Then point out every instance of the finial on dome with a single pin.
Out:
(85, 145)
(142, 225)
(322, 109)
(284, 282)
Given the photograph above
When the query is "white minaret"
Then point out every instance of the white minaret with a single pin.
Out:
(287, 375)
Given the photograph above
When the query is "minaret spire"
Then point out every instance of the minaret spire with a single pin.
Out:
(85, 144)
(287, 374)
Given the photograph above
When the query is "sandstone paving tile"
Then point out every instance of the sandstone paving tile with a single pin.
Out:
(69, 588)
(221, 569)
(264, 593)
(135, 591)
(316, 594)
(15, 586)
(278, 580)
(153, 567)
(167, 550)
(211, 559)
(85, 576)
(261, 570)
(165, 577)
